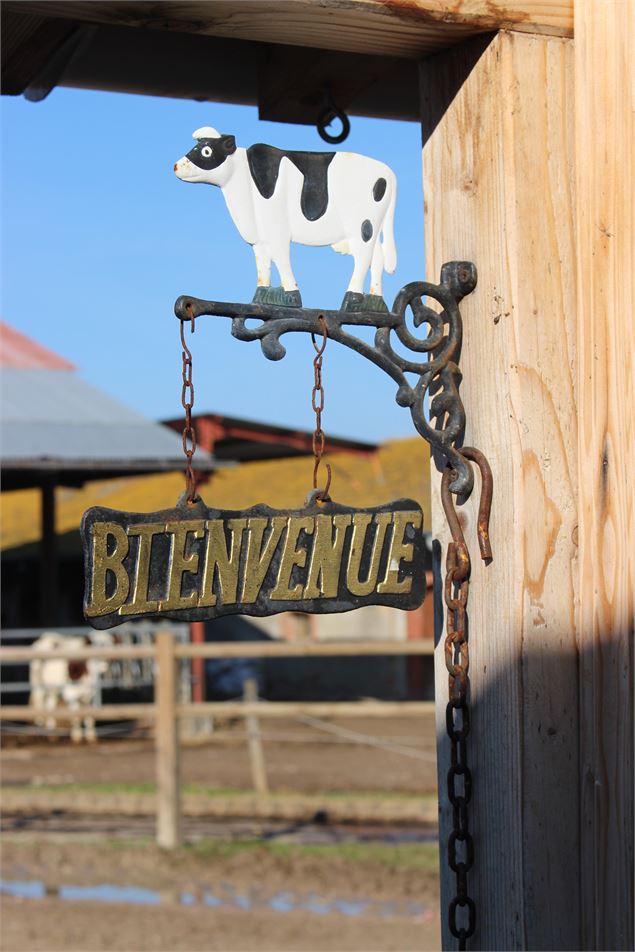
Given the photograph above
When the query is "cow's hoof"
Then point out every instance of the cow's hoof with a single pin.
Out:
(277, 296)
(352, 301)
(376, 303)
(358, 303)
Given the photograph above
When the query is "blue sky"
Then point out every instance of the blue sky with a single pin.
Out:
(100, 237)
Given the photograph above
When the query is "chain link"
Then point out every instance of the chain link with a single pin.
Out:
(457, 712)
(317, 402)
(187, 401)
(457, 717)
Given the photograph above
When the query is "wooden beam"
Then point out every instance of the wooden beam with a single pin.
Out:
(254, 740)
(166, 740)
(274, 709)
(605, 146)
(290, 649)
(385, 27)
(498, 186)
(227, 649)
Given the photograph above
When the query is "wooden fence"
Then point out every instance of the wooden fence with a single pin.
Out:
(166, 711)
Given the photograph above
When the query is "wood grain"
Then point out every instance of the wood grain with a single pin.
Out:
(498, 187)
(407, 28)
(605, 147)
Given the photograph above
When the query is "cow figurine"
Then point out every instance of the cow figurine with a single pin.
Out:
(315, 198)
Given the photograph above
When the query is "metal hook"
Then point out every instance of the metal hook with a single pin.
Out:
(458, 554)
(330, 112)
(485, 505)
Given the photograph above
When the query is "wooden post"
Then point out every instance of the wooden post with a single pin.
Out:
(167, 744)
(48, 557)
(498, 185)
(197, 637)
(605, 223)
(254, 740)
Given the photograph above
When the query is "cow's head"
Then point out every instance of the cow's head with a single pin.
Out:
(207, 161)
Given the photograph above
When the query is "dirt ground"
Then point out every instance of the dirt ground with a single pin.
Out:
(93, 928)
(399, 887)
(314, 761)
(349, 892)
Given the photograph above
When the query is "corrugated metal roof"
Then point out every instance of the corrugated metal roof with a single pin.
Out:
(18, 350)
(47, 414)
(44, 396)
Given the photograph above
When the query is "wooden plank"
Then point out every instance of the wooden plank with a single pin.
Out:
(316, 708)
(228, 649)
(108, 712)
(386, 27)
(286, 649)
(498, 186)
(166, 741)
(11, 655)
(605, 146)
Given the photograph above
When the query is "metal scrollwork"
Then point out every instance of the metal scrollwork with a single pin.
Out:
(435, 365)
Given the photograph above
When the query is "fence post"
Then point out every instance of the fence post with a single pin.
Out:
(166, 741)
(254, 740)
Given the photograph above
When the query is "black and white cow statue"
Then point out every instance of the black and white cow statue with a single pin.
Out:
(313, 198)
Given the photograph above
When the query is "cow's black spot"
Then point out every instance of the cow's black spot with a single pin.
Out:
(264, 165)
(221, 148)
(379, 189)
(367, 230)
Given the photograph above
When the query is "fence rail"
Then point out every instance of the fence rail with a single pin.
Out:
(166, 711)
(224, 649)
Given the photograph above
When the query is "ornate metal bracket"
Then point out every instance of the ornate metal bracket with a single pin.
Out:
(438, 375)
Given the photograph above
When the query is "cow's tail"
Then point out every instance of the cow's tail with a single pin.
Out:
(388, 230)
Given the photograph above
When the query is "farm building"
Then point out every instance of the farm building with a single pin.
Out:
(526, 111)
(275, 457)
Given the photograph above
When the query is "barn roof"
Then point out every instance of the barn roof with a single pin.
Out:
(54, 425)
(242, 440)
(19, 351)
(400, 468)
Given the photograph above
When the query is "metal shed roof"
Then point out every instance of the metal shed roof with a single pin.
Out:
(54, 424)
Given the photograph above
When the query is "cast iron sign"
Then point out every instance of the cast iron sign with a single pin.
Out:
(192, 562)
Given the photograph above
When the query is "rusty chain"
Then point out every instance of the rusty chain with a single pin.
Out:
(317, 402)
(457, 713)
(187, 401)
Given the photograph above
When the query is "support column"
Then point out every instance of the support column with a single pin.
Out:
(497, 119)
(605, 183)
(48, 557)
(169, 833)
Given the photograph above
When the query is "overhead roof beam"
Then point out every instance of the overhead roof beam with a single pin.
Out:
(404, 28)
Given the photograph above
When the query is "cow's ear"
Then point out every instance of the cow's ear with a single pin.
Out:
(229, 144)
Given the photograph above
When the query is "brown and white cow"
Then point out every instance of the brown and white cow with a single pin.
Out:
(57, 683)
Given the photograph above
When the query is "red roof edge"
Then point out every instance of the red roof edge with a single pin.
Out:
(18, 350)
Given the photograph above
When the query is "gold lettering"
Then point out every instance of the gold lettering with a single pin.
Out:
(326, 557)
(226, 563)
(361, 522)
(292, 557)
(180, 563)
(399, 551)
(258, 559)
(104, 562)
(139, 603)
